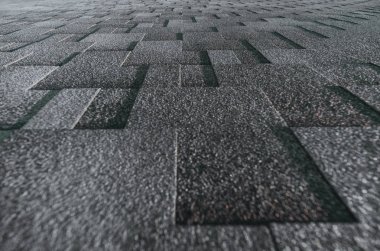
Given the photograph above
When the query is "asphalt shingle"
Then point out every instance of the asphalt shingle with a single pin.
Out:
(94, 69)
(155, 52)
(193, 125)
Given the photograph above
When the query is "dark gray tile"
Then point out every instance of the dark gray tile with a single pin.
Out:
(305, 38)
(26, 35)
(195, 58)
(94, 69)
(155, 52)
(162, 76)
(241, 75)
(273, 40)
(222, 178)
(75, 28)
(223, 57)
(8, 58)
(201, 107)
(201, 41)
(98, 185)
(160, 35)
(52, 54)
(64, 110)
(113, 41)
(276, 64)
(300, 96)
(9, 28)
(109, 109)
(198, 76)
(17, 103)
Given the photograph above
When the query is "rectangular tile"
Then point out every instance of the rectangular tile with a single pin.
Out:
(155, 52)
(64, 110)
(110, 109)
(250, 175)
(95, 69)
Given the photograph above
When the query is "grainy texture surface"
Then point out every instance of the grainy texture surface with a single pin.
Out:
(189, 125)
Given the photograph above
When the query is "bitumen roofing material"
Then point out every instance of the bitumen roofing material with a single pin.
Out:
(190, 125)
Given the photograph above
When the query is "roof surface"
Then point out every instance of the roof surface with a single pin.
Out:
(190, 125)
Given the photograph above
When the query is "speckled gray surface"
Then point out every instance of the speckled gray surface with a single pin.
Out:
(16, 99)
(114, 42)
(51, 52)
(64, 111)
(92, 69)
(355, 178)
(194, 125)
(155, 52)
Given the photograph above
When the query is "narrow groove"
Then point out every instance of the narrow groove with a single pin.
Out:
(175, 173)
(132, 46)
(179, 36)
(141, 74)
(20, 47)
(330, 25)
(209, 76)
(4, 135)
(68, 58)
(66, 38)
(341, 20)
(179, 75)
(372, 12)
(131, 28)
(287, 40)
(362, 18)
(129, 105)
(44, 38)
(367, 14)
(204, 58)
(254, 12)
(166, 23)
(273, 237)
(264, 222)
(88, 34)
(216, 16)
(312, 32)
